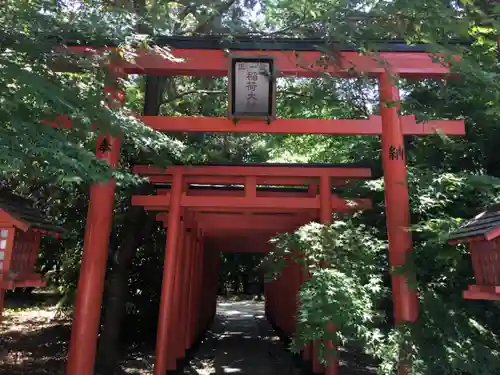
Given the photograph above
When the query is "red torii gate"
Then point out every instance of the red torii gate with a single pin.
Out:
(236, 217)
(213, 61)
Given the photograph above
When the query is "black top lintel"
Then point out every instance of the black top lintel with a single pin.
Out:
(259, 43)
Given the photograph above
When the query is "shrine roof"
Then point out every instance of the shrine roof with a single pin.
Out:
(22, 210)
(485, 225)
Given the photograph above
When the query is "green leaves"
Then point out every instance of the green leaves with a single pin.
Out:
(349, 284)
(343, 260)
(34, 92)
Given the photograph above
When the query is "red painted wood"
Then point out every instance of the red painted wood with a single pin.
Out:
(492, 234)
(17, 266)
(162, 202)
(235, 193)
(370, 126)
(196, 297)
(236, 180)
(162, 352)
(225, 172)
(190, 288)
(196, 291)
(189, 276)
(7, 220)
(82, 350)
(177, 324)
(397, 202)
(192, 62)
(269, 219)
(483, 292)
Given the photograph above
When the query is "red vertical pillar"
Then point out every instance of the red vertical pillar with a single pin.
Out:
(201, 295)
(396, 200)
(325, 191)
(199, 286)
(201, 291)
(81, 357)
(176, 324)
(215, 287)
(190, 286)
(194, 282)
(196, 285)
(167, 288)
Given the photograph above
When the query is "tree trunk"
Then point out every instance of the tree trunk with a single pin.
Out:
(137, 226)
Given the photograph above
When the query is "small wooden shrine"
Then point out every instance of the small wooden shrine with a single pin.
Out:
(21, 229)
(482, 235)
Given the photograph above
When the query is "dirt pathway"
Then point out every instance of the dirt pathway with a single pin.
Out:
(242, 343)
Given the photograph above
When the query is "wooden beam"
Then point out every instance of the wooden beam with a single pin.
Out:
(162, 202)
(241, 193)
(202, 63)
(244, 225)
(370, 126)
(235, 180)
(251, 210)
(258, 171)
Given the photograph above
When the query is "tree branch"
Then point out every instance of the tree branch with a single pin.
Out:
(224, 7)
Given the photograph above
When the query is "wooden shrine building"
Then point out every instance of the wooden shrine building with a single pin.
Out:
(482, 236)
(21, 229)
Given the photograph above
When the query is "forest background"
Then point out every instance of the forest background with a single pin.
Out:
(450, 179)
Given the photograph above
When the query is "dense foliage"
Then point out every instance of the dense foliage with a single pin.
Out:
(450, 179)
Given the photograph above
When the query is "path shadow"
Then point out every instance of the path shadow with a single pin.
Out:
(34, 348)
(246, 343)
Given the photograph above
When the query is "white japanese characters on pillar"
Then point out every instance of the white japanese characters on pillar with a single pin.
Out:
(252, 88)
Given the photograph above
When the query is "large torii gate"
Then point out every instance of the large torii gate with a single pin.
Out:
(226, 216)
(206, 57)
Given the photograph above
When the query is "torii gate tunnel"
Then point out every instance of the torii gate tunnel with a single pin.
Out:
(203, 218)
